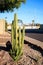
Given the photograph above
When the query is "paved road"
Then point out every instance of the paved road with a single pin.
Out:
(37, 36)
(34, 41)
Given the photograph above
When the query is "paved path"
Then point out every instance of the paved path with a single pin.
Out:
(34, 41)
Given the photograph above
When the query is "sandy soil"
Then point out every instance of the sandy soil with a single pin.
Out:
(29, 57)
(32, 55)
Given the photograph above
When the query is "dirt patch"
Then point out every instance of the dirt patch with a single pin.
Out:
(30, 57)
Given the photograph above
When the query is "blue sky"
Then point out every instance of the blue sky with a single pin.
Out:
(32, 9)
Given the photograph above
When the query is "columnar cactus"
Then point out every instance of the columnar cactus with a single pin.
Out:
(17, 39)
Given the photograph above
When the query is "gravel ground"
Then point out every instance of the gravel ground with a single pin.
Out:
(30, 57)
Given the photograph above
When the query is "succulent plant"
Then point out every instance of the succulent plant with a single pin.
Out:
(17, 39)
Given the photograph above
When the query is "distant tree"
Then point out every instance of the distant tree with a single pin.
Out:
(20, 22)
(9, 5)
(33, 22)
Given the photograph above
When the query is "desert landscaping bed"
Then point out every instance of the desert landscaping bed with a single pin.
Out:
(30, 56)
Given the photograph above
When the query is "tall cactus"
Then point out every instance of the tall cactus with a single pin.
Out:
(17, 39)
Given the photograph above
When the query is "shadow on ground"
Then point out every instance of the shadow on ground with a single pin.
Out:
(8, 46)
(35, 47)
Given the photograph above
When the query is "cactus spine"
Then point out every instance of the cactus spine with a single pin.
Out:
(17, 39)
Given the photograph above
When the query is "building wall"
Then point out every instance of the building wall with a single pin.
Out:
(32, 27)
(2, 26)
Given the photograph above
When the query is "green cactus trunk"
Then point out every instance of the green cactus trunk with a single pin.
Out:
(17, 39)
